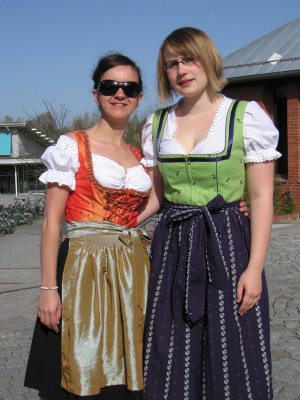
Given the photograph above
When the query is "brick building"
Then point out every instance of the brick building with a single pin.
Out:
(268, 71)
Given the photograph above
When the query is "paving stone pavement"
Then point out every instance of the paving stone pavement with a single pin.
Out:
(19, 289)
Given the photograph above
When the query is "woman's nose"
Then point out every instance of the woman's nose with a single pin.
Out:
(120, 93)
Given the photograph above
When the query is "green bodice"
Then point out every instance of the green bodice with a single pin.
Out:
(198, 178)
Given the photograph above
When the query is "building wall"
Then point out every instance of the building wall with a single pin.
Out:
(23, 146)
(252, 92)
(293, 99)
(264, 94)
(22, 161)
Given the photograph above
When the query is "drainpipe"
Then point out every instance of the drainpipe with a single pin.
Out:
(16, 181)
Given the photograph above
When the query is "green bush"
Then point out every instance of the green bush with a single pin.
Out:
(282, 203)
(289, 206)
(277, 200)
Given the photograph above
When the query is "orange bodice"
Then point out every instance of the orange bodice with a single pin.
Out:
(93, 202)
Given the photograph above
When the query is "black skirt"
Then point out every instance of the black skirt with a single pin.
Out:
(43, 371)
(197, 346)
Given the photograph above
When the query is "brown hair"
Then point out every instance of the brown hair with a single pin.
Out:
(110, 61)
(190, 42)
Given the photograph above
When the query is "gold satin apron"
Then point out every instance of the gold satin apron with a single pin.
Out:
(104, 296)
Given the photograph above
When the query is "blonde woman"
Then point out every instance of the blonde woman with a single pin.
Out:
(207, 324)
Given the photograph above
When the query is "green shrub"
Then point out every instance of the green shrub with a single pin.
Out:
(289, 206)
(277, 200)
(282, 203)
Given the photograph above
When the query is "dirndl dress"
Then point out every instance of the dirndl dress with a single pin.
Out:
(197, 346)
(102, 276)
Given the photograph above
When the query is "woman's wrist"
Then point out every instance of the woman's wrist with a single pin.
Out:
(255, 267)
(49, 287)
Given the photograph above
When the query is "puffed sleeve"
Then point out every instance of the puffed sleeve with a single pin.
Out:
(62, 162)
(260, 135)
(149, 159)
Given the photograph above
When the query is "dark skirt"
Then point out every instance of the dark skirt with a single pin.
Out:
(44, 364)
(197, 346)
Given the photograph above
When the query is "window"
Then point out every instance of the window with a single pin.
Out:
(5, 144)
(281, 124)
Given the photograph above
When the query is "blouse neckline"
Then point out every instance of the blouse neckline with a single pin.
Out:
(93, 179)
(115, 163)
(210, 130)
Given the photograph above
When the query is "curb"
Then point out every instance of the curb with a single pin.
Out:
(285, 217)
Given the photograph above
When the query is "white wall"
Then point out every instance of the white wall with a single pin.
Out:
(25, 146)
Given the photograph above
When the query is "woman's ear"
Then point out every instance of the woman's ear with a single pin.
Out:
(139, 100)
(96, 97)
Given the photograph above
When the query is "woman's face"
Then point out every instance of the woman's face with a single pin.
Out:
(118, 105)
(186, 77)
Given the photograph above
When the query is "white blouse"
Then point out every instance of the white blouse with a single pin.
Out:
(260, 135)
(62, 162)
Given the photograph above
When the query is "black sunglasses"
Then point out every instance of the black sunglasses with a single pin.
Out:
(110, 88)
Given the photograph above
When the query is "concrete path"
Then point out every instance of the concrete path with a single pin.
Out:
(19, 289)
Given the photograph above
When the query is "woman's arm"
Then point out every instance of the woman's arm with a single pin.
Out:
(260, 184)
(156, 196)
(49, 304)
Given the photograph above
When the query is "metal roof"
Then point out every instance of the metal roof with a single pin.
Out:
(29, 131)
(19, 161)
(276, 54)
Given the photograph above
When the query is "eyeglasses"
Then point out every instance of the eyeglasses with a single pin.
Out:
(173, 65)
(110, 88)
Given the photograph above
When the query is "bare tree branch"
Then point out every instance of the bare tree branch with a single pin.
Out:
(53, 122)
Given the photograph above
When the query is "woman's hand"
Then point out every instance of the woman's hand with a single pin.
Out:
(49, 309)
(244, 208)
(150, 207)
(249, 290)
(49, 304)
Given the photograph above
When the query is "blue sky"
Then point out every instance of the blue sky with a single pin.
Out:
(49, 47)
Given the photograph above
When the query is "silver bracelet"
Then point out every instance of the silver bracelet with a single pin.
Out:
(49, 288)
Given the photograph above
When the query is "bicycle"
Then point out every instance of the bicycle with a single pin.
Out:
(20, 212)
(7, 223)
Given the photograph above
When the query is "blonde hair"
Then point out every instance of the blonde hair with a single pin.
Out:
(190, 42)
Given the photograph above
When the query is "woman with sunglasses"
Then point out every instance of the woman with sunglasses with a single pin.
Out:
(97, 279)
(207, 322)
